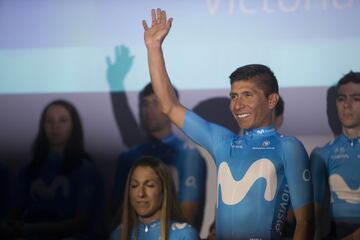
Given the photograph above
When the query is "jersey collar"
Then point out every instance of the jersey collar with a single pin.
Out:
(352, 141)
(148, 227)
(260, 132)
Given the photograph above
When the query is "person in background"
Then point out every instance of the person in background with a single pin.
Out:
(336, 165)
(150, 209)
(55, 196)
(187, 165)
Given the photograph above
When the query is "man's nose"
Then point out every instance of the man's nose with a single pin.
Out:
(238, 103)
(348, 103)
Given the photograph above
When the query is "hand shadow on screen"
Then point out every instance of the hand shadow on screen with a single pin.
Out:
(216, 110)
(116, 73)
(331, 111)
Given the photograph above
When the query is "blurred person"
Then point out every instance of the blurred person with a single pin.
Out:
(150, 208)
(187, 165)
(55, 196)
(336, 166)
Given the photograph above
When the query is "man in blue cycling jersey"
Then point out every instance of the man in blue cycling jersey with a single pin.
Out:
(336, 165)
(187, 165)
(259, 173)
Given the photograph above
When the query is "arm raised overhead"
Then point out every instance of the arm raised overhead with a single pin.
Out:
(154, 37)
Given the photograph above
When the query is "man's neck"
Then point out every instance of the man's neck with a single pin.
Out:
(351, 132)
(161, 134)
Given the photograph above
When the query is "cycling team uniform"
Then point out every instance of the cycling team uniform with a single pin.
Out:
(335, 168)
(258, 175)
(187, 166)
(55, 197)
(177, 231)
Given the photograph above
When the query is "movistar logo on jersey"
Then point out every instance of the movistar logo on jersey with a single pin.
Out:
(40, 190)
(343, 191)
(340, 153)
(260, 131)
(233, 192)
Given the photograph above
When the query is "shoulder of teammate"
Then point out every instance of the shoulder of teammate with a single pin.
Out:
(183, 231)
(320, 155)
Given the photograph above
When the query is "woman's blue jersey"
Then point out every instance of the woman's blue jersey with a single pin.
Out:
(177, 231)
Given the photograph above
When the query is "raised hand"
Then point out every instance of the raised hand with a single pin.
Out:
(160, 26)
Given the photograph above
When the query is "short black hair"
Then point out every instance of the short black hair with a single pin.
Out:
(148, 90)
(351, 76)
(280, 106)
(260, 74)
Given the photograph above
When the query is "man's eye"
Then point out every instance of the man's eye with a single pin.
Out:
(340, 99)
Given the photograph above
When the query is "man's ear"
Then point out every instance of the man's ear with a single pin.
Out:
(273, 100)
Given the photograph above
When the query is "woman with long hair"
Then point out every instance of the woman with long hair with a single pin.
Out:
(56, 192)
(150, 209)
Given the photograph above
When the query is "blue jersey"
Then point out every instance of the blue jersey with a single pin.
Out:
(187, 166)
(258, 174)
(177, 231)
(53, 197)
(336, 169)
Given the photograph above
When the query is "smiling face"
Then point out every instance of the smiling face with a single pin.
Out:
(249, 105)
(146, 193)
(58, 126)
(348, 108)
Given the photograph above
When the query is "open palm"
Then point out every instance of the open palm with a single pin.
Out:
(160, 26)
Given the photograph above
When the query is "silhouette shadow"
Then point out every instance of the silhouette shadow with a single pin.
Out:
(129, 130)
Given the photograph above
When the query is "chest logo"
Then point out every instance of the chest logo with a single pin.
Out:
(343, 191)
(233, 192)
(340, 153)
(40, 190)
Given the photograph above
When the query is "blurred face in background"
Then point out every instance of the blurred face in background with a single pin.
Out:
(348, 108)
(152, 119)
(58, 126)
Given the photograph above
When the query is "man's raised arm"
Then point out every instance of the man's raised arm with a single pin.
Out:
(154, 36)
